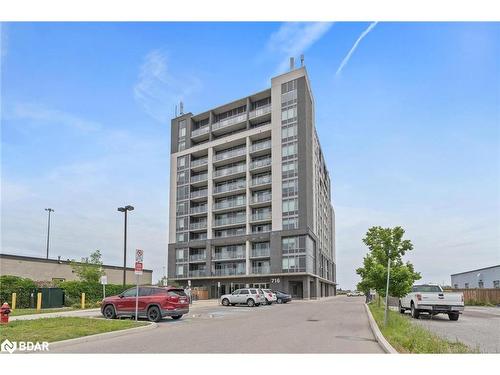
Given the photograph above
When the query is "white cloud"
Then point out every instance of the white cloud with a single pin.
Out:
(294, 38)
(47, 116)
(157, 90)
(353, 48)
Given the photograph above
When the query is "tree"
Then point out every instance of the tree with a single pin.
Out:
(385, 244)
(89, 270)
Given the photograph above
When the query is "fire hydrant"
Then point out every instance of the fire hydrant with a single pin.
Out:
(4, 313)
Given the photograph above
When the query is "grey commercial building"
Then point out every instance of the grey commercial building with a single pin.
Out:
(488, 277)
(250, 195)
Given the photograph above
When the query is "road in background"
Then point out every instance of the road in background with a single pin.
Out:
(331, 325)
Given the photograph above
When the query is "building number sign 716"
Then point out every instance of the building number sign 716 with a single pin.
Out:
(275, 281)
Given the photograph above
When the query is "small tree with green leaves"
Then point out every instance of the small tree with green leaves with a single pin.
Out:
(89, 269)
(385, 244)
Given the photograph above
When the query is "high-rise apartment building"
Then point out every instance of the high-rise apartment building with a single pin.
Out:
(250, 195)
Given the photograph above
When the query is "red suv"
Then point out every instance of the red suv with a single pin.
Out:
(155, 303)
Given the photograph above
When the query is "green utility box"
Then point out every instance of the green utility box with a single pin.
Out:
(51, 297)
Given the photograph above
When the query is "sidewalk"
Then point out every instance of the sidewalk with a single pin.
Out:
(77, 313)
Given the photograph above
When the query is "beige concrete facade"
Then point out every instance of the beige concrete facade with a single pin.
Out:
(41, 269)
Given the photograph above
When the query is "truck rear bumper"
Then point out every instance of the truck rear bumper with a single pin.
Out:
(441, 308)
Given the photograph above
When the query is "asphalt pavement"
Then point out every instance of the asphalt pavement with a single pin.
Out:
(331, 325)
(478, 327)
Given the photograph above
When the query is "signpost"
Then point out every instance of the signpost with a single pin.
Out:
(104, 281)
(139, 255)
(218, 289)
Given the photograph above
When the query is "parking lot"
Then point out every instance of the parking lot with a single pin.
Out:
(478, 327)
(331, 325)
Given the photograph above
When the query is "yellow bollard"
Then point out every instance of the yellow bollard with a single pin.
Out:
(39, 301)
(14, 298)
(83, 300)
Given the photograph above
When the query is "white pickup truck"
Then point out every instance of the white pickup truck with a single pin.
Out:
(432, 300)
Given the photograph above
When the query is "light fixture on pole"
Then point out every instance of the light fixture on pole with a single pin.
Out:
(48, 230)
(125, 210)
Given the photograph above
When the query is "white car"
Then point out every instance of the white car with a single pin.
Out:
(432, 300)
(248, 296)
(270, 296)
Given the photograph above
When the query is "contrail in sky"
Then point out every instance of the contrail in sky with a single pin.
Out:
(348, 56)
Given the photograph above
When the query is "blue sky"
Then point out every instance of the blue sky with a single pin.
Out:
(410, 128)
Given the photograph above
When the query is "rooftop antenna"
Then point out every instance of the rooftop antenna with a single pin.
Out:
(302, 60)
(292, 63)
(176, 110)
(181, 108)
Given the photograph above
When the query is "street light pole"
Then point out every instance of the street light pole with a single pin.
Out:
(387, 286)
(125, 210)
(48, 230)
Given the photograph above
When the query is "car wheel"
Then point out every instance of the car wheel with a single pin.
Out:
(175, 317)
(225, 302)
(453, 316)
(154, 314)
(401, 310)
(109, 312)
(414, 312)
(250, 302)
(269, 302)
(279, 300)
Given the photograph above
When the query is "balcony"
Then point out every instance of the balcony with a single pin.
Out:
(228, 272)
(199, 193)
(225, 233)
(229, 255)
(261, 252)
(227, 122)
(198, 236)
(198, 209)
(197, 257)
(261, 163)
(198, 225)
(261, 270)
(200, 131)
(229, 204)
(262, 198)
(262, 216)
(225, 188)
(224, 155)
(230, 221)
(198, 273)
(199, 162)
(199, 177)
(261, 180)
(258, 146)
(260, 111)
(230, 171)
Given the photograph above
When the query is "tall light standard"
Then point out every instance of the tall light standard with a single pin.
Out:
(48, 230)
(124, 210)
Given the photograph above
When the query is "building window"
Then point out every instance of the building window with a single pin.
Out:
(455, 286)
(182, 162)
(289, 151)
(480, 284)
(181, 224)
(182, 208)
(466, 285)
(290, 206)
(182, 193)
(290, 223)
(182, 177)
(289, 169)
(181, 237)
(182, 145)
(496, 283)
(290, 188)
(182, 129)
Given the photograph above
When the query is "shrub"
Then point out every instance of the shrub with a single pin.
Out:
(19, 285)
(93, 291)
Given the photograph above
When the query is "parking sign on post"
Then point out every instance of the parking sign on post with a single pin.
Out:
(104, 281)
(139, 256)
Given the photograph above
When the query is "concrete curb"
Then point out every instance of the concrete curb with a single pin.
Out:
(388, 348)
(99, 336)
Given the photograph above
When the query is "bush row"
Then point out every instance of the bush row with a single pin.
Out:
(72, 290)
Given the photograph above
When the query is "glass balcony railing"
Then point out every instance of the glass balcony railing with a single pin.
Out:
(197, 273)
(198, 162)
(198, 237)
(260, 163)
(260, 111)
(261, 146)
(199, 177)
(224, 233)
(262, 198)
(197, 257)
(229, 204)
(261, 270)
(228, 272)
(230, 220)
(230, 170)
(261, 180)
(261, 216)
(198, 225)
(230, 154)
(229, 121)
(199, 193)
(261, 252)
(229, 187)
(199, 209)
(229, 255)
(200, 131)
